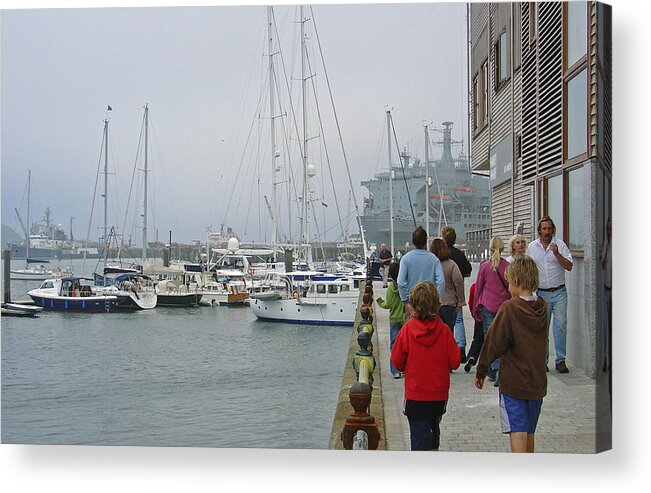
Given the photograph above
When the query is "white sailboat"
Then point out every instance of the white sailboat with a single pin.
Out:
(306, 296)
(134, 291)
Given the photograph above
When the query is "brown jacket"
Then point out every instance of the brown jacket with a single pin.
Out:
(518, 336)
(454, 294)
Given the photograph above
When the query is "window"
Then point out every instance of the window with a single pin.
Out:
(332, 289)
(576, 126)
(575, 209)
(501, 60)
(564, 201)
(476, 103)
(555, 202)
(484, 102)
(320, 288)
(576, 29)
(575, 89)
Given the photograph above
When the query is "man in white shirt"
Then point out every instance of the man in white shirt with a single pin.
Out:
(553, 258)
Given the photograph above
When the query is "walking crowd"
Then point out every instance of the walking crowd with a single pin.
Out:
(512, 303)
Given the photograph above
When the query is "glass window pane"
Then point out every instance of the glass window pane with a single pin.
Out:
(503, 53)
(577, 114)
(484, 101)
(555, 202)
(577, 31)
(576, 209)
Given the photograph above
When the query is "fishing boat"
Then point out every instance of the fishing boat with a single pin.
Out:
(309, 298)
(72, 294)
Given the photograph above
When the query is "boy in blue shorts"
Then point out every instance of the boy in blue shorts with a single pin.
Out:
(518, 336)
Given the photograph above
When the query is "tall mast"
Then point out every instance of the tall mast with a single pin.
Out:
(390, 180)
(427, 181)
(106, 243)
(29, 221)
(144, 215)
(274, 152)
(304, 223)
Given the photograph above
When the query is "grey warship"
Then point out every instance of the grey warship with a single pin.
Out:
(458, 198)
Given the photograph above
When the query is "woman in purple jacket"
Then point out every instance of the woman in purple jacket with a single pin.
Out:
(492, 290)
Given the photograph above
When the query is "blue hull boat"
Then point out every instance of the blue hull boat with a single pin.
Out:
(72, 294)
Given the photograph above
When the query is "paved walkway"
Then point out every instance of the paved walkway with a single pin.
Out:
(575, 408)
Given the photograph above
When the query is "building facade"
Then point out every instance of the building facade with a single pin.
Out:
(540, 123)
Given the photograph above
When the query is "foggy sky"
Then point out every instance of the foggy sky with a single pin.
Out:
(201, 70)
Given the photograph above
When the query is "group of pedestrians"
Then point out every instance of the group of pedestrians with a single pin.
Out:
(511, 302)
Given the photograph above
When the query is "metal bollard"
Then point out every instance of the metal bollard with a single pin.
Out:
(367, 302)
(364, 361)
(6, 267)
(360, 399)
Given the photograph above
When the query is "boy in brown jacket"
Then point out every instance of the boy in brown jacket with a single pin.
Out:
(518, 336)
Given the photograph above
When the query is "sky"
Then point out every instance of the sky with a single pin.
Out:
(202, 72)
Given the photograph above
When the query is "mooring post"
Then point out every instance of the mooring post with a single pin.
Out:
(6, 266)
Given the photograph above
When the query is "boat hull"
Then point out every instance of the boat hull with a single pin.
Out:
(19, 310)
(341, 312)
(19, 275)
(89, 304)
(178, 300)
(142, 301)
(224, 298)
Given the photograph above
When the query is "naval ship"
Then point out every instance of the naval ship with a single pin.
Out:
(457, 198)
(48, 241)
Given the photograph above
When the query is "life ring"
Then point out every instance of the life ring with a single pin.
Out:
(294, 294)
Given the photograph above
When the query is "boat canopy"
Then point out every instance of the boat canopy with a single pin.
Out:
(37, 261)
(120, 270)
(130, 275)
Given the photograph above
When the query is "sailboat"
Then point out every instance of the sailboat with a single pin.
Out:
(133, 290)
(33, 272)
(308, 297)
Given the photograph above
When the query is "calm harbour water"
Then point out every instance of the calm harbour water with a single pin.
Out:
(196, 377)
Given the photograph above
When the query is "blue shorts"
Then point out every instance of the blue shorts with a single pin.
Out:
(519, 415)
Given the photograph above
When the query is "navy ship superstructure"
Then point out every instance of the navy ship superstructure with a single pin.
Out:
(458, 198)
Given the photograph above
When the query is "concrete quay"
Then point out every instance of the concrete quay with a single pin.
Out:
(575, 417)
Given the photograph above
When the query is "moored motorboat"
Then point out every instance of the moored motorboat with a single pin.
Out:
(315, 299)
(72, 294)
(169, 293)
